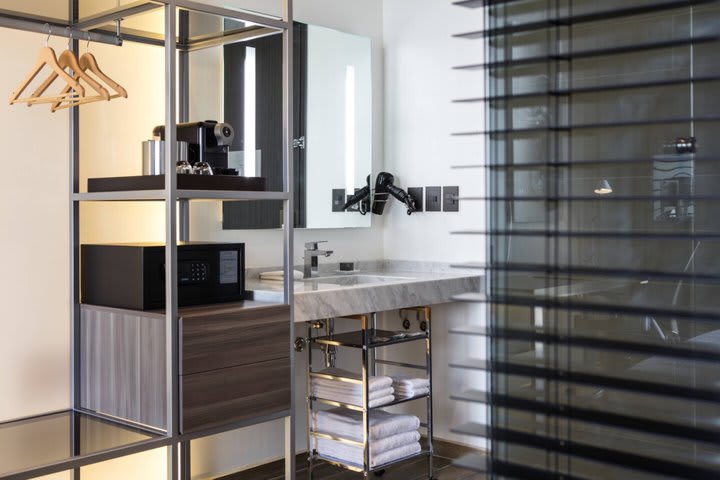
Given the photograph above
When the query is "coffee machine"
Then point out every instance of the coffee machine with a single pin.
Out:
(208, 141)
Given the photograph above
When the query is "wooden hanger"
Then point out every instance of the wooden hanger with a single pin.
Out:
(68, 59)
(88, 62)
(46, 56)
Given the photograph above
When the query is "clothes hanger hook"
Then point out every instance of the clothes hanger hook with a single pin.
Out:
(87, 47)
(49, 33)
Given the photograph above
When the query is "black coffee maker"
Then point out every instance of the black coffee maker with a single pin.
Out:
(208, 141)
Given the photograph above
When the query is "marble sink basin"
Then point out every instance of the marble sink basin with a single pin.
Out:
(356, 280)
(337, 295)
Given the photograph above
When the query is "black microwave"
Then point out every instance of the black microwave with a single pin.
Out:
(132, 276)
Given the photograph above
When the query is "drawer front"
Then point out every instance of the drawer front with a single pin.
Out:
(217, 398)
(232, 338)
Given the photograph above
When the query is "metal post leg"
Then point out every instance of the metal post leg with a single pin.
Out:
(172, 461)
(428, 360)
(185, 470)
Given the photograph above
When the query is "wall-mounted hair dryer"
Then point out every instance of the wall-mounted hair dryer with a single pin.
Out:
(361, 195)
(384, 184)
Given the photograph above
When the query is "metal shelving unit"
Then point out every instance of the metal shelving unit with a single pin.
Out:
(368, 339)
(80, 437)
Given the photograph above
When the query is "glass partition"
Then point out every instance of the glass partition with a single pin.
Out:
(605, 239)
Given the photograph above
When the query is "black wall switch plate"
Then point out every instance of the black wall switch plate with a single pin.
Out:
(353, 208)
(450, 202)
(433, 199)
(417, 195)
(338, 199)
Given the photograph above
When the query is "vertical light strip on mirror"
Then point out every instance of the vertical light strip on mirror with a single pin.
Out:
(249, 156)
(350, 129)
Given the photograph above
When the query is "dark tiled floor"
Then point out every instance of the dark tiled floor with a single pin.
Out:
(410, 470)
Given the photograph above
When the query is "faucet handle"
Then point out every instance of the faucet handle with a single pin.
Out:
(313, 245)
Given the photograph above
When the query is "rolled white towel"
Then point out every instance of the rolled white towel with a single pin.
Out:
(377, 382)
(382, 451)
(348, 424)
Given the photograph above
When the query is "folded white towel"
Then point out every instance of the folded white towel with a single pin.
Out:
(374, 383)
(401, 381)
(403, 393)
(279, 275)
(381, 451)
(327, 392)
(377, 397)
(348, 424)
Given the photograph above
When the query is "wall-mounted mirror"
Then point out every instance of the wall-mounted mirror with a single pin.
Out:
(333, 123)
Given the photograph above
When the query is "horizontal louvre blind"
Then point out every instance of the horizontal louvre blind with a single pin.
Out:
(603, 160)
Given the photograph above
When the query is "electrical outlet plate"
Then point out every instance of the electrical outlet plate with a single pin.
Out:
(433, 199)
(450, 202)
(338, 199)
(417, 195)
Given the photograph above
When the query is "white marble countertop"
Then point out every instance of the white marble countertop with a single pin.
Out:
(378, 286)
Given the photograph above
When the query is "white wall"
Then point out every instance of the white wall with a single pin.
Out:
(419, 119)
(420, 85)
(34, 236)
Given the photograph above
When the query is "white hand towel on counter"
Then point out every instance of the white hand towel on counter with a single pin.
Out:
(279, 275)
(375, 382)
(377, 397)
(382, 451)
(348, 424)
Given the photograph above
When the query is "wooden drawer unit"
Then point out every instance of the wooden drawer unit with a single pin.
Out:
(219, 397)
(222, 338)
(235, 364)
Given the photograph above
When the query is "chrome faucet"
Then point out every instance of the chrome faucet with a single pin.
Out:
(311, 258)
